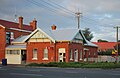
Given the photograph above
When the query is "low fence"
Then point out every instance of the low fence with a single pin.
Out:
(103, 59)
(107, 59)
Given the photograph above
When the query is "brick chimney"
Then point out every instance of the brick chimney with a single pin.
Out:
(53, 27)
(20, 22)
(33, 24)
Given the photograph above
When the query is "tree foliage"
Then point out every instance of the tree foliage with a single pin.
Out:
(87, 33)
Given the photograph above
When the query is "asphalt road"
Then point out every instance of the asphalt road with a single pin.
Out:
(28, 72)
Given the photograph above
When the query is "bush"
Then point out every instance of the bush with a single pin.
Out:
(103, 65)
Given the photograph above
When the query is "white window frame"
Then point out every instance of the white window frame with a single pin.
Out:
(71, 54)
(34, 56)
(76, 55)
(13, 52)
(81, 54)
(45, 54)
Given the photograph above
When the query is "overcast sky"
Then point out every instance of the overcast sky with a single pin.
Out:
(98, 15)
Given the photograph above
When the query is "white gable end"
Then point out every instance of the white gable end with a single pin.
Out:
(78, 38)
(39, 37)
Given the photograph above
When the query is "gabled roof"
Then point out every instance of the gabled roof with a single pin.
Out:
(57, 35)
(9, 24)
(65, 34)
(86, 42)
(105, 45)
(38, 29)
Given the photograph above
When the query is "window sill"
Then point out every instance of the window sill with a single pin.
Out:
(45, 58)
(34, 59)
(81, 59)
(71, 59)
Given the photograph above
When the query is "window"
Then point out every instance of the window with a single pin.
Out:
(45, 54)
(71, 58)
(8, 37)
(14, 52)
(81, 55)
(12, 36)
(94, 54)
(34, 54)
(89, 53)
(76, 55)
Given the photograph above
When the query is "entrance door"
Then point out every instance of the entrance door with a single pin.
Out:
(62, 55)
(23, 55)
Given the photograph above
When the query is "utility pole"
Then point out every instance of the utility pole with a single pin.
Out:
(117, 54)
(78, 18)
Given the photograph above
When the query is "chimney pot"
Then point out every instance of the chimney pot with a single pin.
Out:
(53, 27)
(33, 24)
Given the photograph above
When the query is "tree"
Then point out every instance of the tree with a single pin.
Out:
(87, 33)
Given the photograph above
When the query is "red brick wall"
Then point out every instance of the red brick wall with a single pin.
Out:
(40, 48)
(52, 52)
(3, 39)
(62, 45)
(2, 43)
(74, 46)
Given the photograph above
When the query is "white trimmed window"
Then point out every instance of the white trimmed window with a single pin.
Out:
(34, 57)
(45, 54)
(76, 55)
(71, 55)
(14, 52)
(81, 55)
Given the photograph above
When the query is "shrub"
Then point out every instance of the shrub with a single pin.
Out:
(103, 65)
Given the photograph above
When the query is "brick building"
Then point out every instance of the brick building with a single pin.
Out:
(12, 30)
(43, 46)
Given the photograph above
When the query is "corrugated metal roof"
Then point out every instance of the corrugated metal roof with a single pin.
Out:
(64, 34)
(58, 35)
(19, 39)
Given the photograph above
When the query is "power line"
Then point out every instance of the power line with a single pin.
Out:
(43, 5)
(57, 7)
(54, 7)
(62, 7)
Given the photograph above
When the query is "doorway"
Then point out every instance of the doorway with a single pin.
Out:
(62, 55)
(23, 56)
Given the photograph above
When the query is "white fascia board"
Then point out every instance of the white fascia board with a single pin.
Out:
(88, 43)
(20, 30)
(76, 35)
(2, 26)
(46, 35)
(38, 29)
(30, 35)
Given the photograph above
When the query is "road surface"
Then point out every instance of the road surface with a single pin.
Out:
(43, 72)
